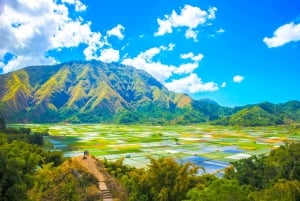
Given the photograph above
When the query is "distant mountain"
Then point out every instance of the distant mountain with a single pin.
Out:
(263, 114)
(90, 92)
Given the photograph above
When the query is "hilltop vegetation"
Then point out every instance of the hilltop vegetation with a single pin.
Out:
(93, 92)
(28, 172)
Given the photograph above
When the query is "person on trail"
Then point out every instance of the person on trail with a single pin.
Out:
(85, 154)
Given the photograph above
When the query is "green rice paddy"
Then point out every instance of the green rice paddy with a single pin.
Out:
(212, 147)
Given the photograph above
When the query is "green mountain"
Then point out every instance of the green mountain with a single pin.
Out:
(91, 92)
(263, 114)
(87, 92)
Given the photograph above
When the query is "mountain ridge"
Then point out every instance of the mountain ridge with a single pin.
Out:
(84, 87)
(91, 92)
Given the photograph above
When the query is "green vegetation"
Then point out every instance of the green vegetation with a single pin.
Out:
(28, 172)
(266, 177)
(255, 116)
(94, 92)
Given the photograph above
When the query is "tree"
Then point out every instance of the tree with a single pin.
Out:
(261, 171)
(282, 190)
(251, 171)
(220, 190)
(164, 180)
(2, 123)
(18, 162)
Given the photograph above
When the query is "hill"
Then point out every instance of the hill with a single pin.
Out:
(85, 92)
(92, 92)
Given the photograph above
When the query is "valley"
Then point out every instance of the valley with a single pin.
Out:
(211, 147)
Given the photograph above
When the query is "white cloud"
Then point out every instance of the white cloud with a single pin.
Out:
(145, 62)
(186, 68)
(190, 33)
(190, 17)
(165, 26)
(27, 61)
(171, 46)
(238, 78)
(187, 55)
(223, 84)
(190, 55)
(79, 6)
(191, 84)
(220, 30)
(283, 35)
(30, 30)
(117, 31)
(212, 13)
(109, 55)
(162, 72)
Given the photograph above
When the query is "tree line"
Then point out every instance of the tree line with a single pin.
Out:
(259, 178)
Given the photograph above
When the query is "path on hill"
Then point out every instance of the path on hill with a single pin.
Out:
(90, 164)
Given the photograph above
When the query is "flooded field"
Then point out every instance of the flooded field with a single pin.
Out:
(212, 147)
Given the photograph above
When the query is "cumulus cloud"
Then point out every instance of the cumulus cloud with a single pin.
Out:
(30, 30)
(284, 34)
(117, 31)
(190, 17)
(190, 33)
(145, 62)
(223, 85)
(190, 55)
(79, 6)
(109, 55)
(186, 68)
(191, 84)
(238, 78)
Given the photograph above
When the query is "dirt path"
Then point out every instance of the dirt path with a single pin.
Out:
(90, 164)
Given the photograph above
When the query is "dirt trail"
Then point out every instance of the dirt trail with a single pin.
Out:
(90, 164)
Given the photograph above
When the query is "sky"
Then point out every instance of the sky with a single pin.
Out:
(234, 52)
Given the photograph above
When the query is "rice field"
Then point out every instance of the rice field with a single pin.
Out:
(211, 147)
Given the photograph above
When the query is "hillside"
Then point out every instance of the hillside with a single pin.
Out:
(85, 92)
(92, 92)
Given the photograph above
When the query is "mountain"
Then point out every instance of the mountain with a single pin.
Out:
(91, 92)
(262, 114)
(87, 92)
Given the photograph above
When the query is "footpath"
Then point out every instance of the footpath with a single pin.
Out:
(90, 164)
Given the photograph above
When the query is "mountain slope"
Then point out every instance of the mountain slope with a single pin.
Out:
(92, 92)
(262, 114)
(82, 92)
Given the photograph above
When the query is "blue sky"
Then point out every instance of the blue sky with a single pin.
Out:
(234, 52)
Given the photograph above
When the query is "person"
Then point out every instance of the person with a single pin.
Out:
(85, 154)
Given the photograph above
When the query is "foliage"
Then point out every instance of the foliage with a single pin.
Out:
(25, 135)
(220, 190)
(254, 116)
(18, 163)
(69, 181)
(126, 117)
(117, 168)
(20, 157)
(259, 172)
(282, 190)
(163, 180)
(2, 123)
